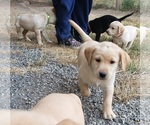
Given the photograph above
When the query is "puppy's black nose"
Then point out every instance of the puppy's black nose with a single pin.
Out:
(102, 75)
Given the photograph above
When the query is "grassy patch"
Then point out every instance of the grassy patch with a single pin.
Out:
(127, 86)
(125, 5)
(103, 4)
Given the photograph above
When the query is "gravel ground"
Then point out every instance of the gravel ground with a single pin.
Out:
(30, 79)
(32, 85)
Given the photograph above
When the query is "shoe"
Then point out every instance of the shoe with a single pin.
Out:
(70, 42)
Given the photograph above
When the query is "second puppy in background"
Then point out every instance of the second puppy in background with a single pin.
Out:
(35, 23)
(123, 36)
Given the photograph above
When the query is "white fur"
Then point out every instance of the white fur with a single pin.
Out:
(54, 109)
(123, 36)
(35, 23)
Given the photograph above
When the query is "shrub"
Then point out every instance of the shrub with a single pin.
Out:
(145, 5)
(130, 5)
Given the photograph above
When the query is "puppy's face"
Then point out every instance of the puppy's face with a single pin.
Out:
(104, 60)
(115, 29)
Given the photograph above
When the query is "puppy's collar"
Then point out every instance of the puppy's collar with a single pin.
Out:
(48, 18)
(120, 34)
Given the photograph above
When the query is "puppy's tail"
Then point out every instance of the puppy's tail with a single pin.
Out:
(122, 18)
(83, 35)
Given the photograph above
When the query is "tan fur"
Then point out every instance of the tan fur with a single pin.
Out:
(98, 64)
(54, 109)
(35, 23)
(123, 36)
(88, 54)
(67, 122)
(120, 30)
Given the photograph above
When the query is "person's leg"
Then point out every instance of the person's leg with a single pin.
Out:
(80, 15)
(63, 9)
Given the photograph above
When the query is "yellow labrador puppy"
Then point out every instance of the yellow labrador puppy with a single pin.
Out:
(98, 64)
(54, 109)
(123, 36)
(36, 23)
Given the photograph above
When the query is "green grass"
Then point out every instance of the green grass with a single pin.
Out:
(126, 5)
(134, 53)
(106, 4)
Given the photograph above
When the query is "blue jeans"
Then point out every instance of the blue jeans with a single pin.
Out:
(77, 10)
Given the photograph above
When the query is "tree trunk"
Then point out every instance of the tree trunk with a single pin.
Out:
(118, 2)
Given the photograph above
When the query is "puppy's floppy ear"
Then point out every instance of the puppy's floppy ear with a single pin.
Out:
(124, 59)
(88, 53)
(120, 29)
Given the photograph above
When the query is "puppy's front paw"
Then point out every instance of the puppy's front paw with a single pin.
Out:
(109, 115)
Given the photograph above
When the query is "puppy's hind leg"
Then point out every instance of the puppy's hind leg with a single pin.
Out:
(38, 36)
(25, 35)
(98, 35)
(84, 88)
(44, 34)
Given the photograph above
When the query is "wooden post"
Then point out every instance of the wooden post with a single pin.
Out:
(118, 3)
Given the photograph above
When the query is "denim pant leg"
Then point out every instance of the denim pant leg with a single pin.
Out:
(63, 9)
(80, 15)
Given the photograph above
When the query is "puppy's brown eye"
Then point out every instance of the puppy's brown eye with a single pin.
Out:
(113, 28)
(112, 62)
(98, 60)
